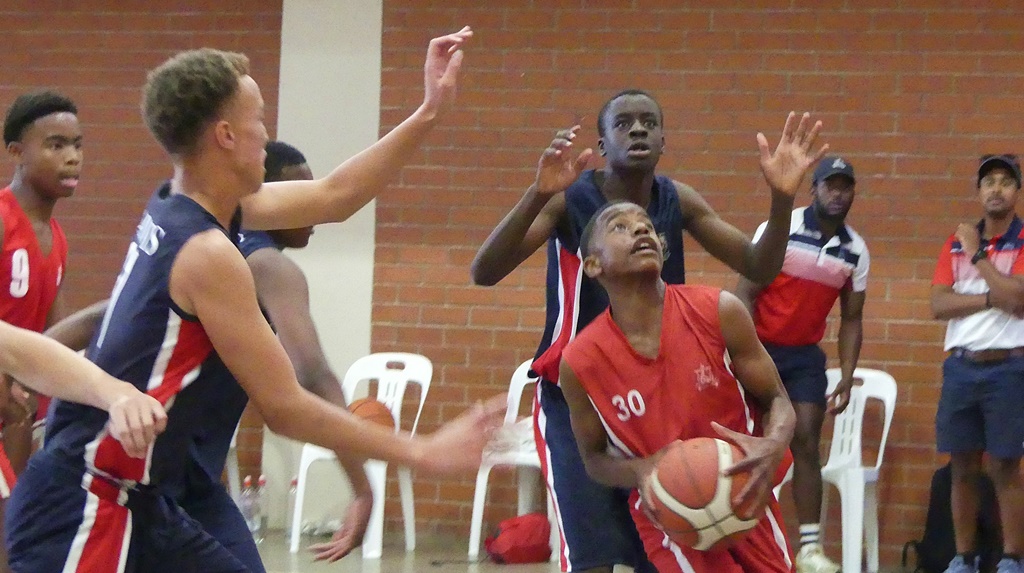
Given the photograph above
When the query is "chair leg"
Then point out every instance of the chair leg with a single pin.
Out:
(408, 507)
(871, 525)
(300, 496)
(376, 473)
(476, 523)
(851, 491)
(526, 477)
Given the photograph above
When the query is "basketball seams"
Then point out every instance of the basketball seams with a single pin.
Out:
(710, 528)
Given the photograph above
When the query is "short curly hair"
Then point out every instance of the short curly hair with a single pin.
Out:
(31, 106)
(186, 92)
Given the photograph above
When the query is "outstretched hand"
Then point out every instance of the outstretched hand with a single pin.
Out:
(458, 446)
(785, 168)
(557, 168)
(441, 70)
(351, 533)
(763, 456)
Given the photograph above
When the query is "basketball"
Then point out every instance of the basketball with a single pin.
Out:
(372, 411)
(691, 498)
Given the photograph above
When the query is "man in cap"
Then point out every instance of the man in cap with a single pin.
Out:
(825, 260)
(979, 288)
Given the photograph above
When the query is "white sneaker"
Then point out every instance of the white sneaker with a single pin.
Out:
(811, 559)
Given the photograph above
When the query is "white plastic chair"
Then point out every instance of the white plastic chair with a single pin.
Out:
(514, 446)
(857, 484)
(393, 371)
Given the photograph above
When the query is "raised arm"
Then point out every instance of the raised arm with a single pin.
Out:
(350, 186)
(48, 367)
(592, 439)
(210, 280)
(784, 171)
(760, 380)
(529, 224)
(284, 294)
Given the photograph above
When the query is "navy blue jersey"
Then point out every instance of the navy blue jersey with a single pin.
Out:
(250, 241)
(147, 340)
(573, 299)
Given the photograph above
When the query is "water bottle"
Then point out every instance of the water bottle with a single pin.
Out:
(292, 491)
(246, 504)
(258, 526)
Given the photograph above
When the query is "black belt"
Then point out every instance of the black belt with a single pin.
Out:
(990, 355)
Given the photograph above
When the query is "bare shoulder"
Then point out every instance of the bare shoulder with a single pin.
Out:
(206, 264)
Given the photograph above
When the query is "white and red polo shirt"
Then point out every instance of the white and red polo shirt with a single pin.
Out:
(991, 328)
(793, 309)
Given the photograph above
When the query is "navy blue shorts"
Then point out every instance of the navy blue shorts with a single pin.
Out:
(59, 519)
(981, 408)
(802, 369)
(596, 526)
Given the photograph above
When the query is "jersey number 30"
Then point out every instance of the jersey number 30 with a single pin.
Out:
(19, 273)
(631, 405)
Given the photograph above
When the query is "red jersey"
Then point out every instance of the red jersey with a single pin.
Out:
(646, 403)
(31, 278)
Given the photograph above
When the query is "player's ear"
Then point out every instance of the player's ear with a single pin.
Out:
(15, 149)
(592, 266)
(223, 134)
(600, 146)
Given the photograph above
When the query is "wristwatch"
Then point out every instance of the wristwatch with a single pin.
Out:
(981, 254)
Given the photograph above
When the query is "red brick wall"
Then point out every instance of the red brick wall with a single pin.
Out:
(98, 52)
(912, 94)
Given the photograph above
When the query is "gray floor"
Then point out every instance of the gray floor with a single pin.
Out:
(432, 555)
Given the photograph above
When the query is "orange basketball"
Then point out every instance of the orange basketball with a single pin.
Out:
(372, 411)
(691, 498)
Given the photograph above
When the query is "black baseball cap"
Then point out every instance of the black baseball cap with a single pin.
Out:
(833, 165)
(1007, 161)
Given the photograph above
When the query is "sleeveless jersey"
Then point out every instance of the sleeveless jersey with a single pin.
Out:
(30, 278)
(646, 403)
(572, 299)
(147, 340)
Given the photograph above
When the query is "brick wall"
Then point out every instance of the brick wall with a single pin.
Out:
(97, 52)
(911, 91)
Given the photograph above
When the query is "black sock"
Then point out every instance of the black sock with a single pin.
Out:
(1012, 556)
(970, 556)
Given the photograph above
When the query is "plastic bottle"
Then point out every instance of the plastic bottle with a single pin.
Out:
(258, 526)
(292, 491)
(246, 504)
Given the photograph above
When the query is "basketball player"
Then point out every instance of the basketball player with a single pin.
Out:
(184, 313)
(673, 362)
(282, 292)
(596, 529)
(43, 136)
(284, 296)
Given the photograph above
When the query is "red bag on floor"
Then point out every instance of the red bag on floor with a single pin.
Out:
(522, 539)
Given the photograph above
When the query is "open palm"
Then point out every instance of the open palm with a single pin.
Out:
(557, 168)
(785, 168)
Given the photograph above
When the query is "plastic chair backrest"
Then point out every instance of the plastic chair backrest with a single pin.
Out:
(393, 371)
(846, 437)
(520, 380)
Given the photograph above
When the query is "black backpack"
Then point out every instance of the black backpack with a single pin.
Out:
(938, 546)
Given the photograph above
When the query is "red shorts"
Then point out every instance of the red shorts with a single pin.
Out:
(763, 550)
